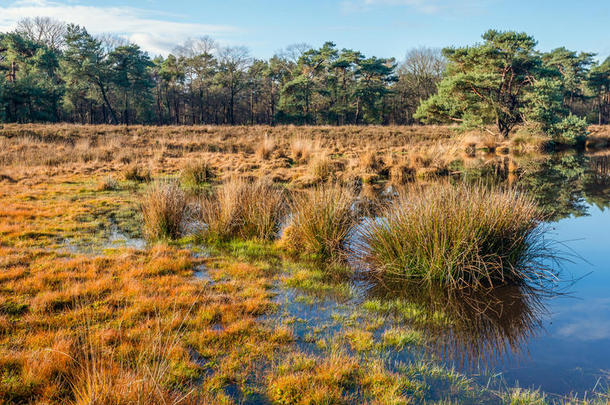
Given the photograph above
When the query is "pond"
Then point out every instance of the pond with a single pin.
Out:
(555, 338)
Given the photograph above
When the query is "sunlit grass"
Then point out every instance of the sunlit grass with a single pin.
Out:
(163, 209)
(242, 208)
(457, 235)
(321, 221)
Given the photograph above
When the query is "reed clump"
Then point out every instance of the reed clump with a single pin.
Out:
(322, 220)
(265, 148)
(242, 208)
(163, 209)
(458, 235)
(195, 174)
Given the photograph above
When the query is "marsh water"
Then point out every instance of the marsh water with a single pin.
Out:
(554, 337)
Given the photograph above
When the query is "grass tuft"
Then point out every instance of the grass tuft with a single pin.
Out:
(322, 219)
(195, 174)
(265, 148)
(245, 209)
(163, 208)
(457, 235)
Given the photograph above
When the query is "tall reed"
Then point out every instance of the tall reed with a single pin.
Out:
(322, 219)
(457, 235)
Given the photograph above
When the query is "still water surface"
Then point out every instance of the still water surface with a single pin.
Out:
(555, 339)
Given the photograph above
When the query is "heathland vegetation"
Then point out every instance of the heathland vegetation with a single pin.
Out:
(54, 72)
(236, 219)
(155, 262)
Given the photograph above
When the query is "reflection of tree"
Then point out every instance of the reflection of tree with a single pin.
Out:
(556, 183)
(562, 184)
(597, 182)
(479, 328)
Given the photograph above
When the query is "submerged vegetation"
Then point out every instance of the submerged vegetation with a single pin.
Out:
(457, 235)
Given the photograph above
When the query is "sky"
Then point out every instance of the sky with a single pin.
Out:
(383, 28)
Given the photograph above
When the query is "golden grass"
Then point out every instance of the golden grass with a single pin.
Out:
(321, 221)
(80, 318)
(163, 209)
(242, 208)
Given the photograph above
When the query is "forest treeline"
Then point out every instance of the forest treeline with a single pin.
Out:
(56, 72)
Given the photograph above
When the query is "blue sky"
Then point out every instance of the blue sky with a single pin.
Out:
(375, 27)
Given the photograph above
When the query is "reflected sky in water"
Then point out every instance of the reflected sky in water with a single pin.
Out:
(573, 352)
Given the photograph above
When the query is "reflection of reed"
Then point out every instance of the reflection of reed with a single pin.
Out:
(480, 328)
(599, 166)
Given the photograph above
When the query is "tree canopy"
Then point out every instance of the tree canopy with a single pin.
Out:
(505, 81)
(52, 72)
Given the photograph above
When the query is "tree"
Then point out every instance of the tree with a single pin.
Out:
(573, 69)
(599, 83)
(418, 77)
(232, 68)
(486, 83)
(85, 60)
(44, 31)
(129, 67)
(30, 90)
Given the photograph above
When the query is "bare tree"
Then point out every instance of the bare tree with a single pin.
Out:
(43, 30)
(233, 65)
(111, 41)
(418, 76)
(293, 53)
(196, 46)
(425, 63)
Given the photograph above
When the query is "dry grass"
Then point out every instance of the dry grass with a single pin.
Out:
(163, 209)
(301, 149)
(321, 167)
(265, 148)
(321, 221)
(242, 208)
(137, 173)
(196, 173)
(108, 183)
(57, 268)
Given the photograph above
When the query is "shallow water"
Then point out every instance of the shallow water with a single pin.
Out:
(555, 339)
(569, 352)
(572, 351)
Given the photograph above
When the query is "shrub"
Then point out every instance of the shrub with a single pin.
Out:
(241, 208)
(456, 235)
(322, 219)
(163, 208)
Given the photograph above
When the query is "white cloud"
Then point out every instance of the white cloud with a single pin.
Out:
(154, 32)
(422, 6)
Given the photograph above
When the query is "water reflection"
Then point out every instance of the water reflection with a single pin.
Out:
(471, 329)
(563, 184)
